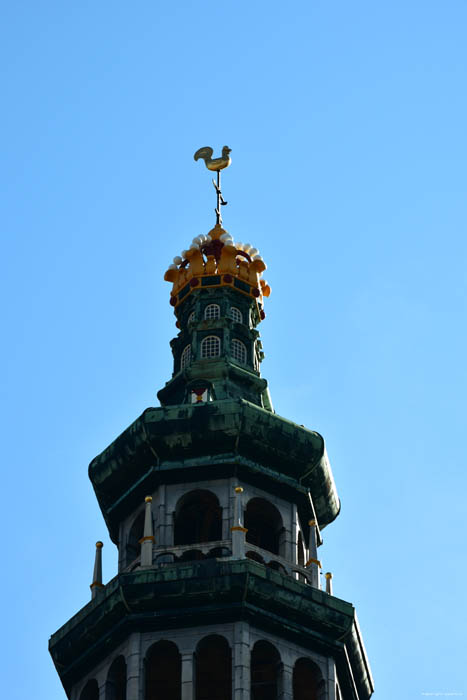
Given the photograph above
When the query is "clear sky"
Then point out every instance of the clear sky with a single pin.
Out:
(347, 123)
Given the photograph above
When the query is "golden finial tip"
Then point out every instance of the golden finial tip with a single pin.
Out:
(148, 499)
(312, 522)
(238, 489)
(99, 544)
(328, 575)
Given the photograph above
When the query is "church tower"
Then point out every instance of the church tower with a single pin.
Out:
(216, 505)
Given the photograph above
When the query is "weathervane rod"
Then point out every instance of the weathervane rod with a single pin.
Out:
(215, 164)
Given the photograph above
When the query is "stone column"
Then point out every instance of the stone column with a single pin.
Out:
(290, 536)
(134, 668)
(188, 691)
(313, 563)
(103, 690)
(238, 531)
(331, 681)
(286, 683)
(241, 661)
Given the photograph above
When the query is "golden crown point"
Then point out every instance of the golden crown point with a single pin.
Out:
(328, 575)
(218, 256)
(238, 489)
(312, 522)
(99, 545)
(148, 499)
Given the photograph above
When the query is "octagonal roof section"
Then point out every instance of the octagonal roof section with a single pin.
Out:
(206, 441)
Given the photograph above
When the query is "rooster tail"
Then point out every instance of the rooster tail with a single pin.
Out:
(205, 153)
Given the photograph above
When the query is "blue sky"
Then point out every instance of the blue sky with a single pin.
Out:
(347, 123)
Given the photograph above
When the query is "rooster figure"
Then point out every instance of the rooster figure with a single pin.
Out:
(215, 164)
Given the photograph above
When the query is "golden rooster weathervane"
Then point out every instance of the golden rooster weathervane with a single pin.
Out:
(216, 164)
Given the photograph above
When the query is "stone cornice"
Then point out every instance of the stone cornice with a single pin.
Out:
(187, 595)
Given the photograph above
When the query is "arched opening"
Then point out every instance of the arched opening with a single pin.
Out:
(308, 683)
(254, 556)
(276, 566)
(264, 524)
(192, 555)
(163, 672)
(185, 359)
(213, 669)
(212, 311)
(198, 518)
(136, 532)
(235, 314)
(238, 351)
(265, 670)
(116, 680)
(210, 347)
(90, 691)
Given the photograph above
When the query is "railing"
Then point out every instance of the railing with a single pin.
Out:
(167, 555)
(274, 561)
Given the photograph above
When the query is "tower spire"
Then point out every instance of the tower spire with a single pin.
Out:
(225, 603)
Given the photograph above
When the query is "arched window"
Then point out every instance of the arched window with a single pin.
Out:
(236, 314)
(198, 518)
(163, 672)
(264, 524)
(213, 669)
(136, 533)
(90, 691)
(265, 668)
(191, 317)
(186, 357)
(115, 688)
(210, 347)
(238, 351)
(212, 311)
(308, 683)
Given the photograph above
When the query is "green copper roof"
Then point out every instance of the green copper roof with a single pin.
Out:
(212, 440)
(186, 595)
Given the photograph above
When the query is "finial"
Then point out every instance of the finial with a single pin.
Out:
(215, 164)
(96, 584)
(328, 577)
(238, 530)
(147, 539)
